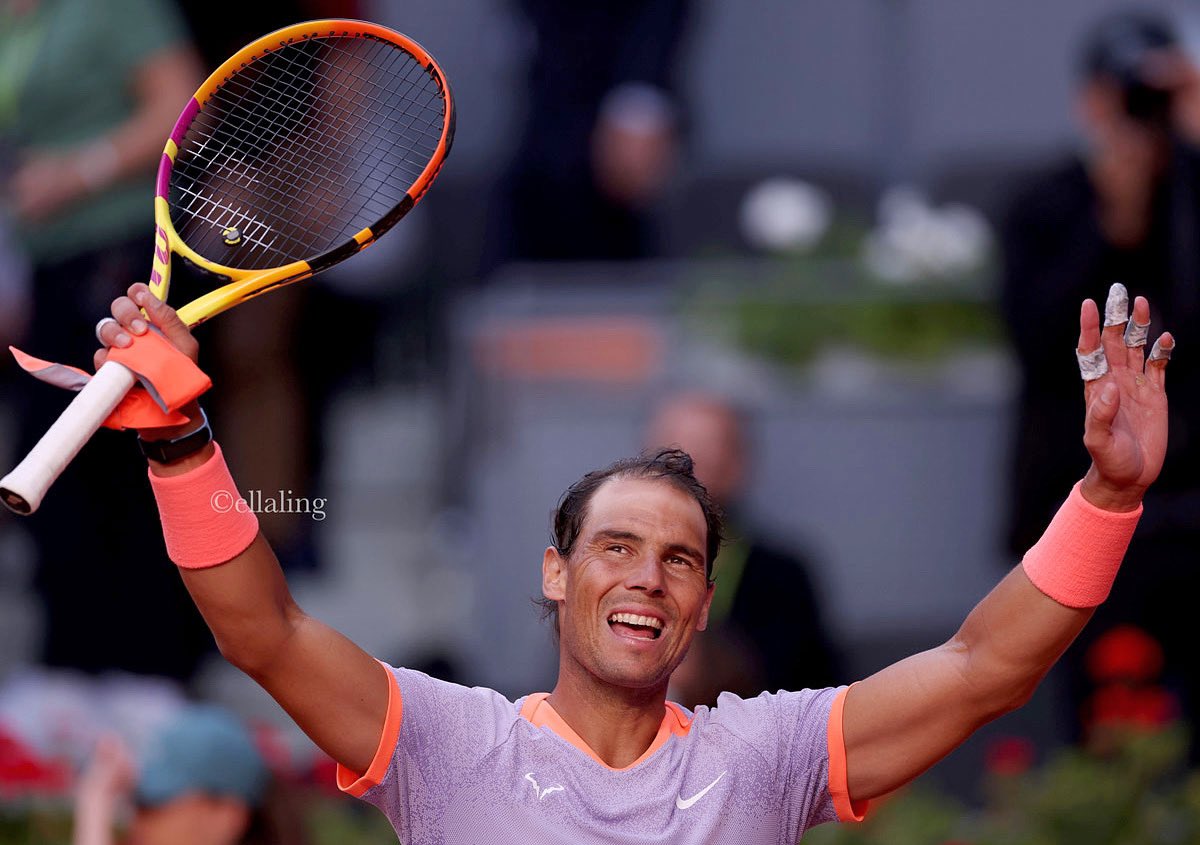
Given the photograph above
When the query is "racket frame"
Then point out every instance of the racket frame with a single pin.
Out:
(23, 489)
(247, 284)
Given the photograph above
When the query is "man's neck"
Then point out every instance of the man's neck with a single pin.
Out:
(618, 724)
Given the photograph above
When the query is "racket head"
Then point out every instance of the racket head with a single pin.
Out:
(296, 153)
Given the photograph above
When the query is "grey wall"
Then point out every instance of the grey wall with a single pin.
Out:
(891, 86)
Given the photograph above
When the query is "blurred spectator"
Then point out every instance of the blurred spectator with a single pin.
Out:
(88, 92)
(200, 782)
(765, 630)
(600, 131)
(1126, 210)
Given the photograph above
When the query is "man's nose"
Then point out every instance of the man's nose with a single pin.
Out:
(646, 573)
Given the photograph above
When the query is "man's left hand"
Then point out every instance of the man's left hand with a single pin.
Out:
(1125, 428)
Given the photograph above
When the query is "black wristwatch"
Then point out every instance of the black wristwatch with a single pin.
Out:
(165, 451)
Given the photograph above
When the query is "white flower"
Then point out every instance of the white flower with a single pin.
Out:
(785, 214)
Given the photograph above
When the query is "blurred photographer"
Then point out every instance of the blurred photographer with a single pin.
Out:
(1138, 107)
(1124, 209)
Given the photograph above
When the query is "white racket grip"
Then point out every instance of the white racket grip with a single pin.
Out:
(23, 488)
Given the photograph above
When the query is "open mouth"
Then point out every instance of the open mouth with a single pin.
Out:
(638, 627)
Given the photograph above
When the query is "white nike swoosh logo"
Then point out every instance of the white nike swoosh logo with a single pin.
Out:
(683, 803)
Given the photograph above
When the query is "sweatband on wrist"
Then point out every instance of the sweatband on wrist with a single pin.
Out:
(205, 521)
(1076, 560)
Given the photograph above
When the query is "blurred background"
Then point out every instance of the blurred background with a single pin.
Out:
(835, 250)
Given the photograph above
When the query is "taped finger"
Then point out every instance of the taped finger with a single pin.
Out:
(1136, 333)
(1092, 365)
(1161, 351)
(1116, 307)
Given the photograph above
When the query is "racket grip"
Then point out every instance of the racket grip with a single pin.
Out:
(23, 488)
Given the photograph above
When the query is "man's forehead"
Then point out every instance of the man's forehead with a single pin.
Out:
(627, 504)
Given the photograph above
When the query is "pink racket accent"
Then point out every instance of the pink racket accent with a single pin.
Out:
(185, 120)
(164, 176)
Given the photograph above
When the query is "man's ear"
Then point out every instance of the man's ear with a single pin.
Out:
(554, 575)
(702, 622)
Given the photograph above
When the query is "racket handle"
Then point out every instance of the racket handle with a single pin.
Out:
(23, 488)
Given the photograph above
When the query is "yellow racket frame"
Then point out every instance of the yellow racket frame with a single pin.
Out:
(247, 284)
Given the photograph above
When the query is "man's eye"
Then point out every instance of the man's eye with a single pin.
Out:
(616, 547)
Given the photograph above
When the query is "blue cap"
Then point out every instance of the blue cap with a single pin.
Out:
(204, 749)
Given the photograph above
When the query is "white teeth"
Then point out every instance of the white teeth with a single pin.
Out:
(634, 619)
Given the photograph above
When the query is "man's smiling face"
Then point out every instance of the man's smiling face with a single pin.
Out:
(634, 590)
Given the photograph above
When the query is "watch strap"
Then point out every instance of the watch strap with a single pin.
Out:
(166, 451)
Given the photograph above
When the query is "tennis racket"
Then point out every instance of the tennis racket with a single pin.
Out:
(295, 154)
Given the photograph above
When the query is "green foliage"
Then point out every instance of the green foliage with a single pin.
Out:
(1137, 792)
(34, 822)
(919, 817)
(788, 311)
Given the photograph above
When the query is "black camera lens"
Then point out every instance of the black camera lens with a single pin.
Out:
(1149, 105)
(1118, 47)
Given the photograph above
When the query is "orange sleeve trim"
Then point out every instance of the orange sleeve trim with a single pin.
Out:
(351, 782)
(839, 783)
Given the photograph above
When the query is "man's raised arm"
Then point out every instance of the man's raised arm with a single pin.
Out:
(335, 691)
(902, 720)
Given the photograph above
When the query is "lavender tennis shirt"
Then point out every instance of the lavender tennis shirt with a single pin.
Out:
(463, 766)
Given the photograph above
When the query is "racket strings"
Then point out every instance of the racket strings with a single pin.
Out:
(344, 111)
(298, 108)
(415, 74)
(327, 140)
(303, 148)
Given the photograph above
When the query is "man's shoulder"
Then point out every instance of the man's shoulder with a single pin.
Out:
(767, 711)
(419, 690)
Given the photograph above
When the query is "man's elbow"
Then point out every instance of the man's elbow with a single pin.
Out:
(997, 687)
(1014, 696)
(257, 648)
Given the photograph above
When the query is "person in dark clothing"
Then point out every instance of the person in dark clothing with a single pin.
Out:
(765, 627)
(1127, 210)
(599, 135)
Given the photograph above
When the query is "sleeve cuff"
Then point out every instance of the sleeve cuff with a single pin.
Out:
(839, 784)
(353, 783)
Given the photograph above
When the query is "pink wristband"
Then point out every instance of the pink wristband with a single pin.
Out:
(205, 521)
(1076, 560)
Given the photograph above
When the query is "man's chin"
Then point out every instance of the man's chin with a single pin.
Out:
(636, 677)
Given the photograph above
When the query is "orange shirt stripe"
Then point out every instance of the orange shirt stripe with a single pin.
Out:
(839, 784)
(356, 784)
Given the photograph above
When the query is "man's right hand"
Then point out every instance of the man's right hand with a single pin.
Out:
(130, 314)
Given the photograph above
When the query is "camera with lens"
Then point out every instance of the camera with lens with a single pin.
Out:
(1120, 48)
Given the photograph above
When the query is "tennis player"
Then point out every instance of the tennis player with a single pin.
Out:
(604, 757)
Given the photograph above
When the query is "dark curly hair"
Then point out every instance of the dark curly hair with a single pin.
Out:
(674, 466)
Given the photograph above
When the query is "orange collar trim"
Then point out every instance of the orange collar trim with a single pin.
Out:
(537, 711)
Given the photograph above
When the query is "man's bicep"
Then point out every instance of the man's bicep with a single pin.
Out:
(901, 720)
(336, 692)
